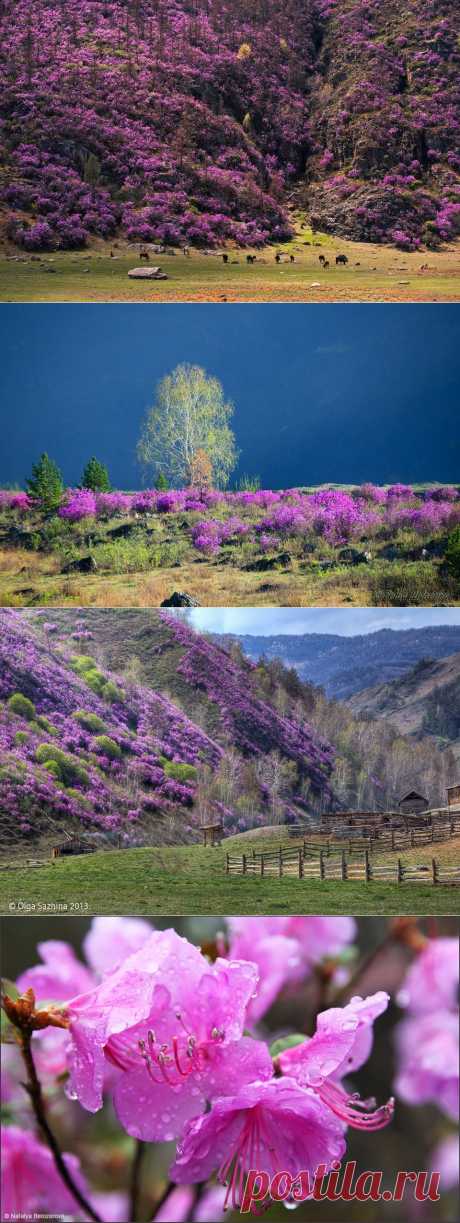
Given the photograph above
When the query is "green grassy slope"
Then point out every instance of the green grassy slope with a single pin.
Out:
(183, 881)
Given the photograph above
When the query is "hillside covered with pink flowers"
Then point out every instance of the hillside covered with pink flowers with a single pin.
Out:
(202, 121)
(129, 728)
(91, 750)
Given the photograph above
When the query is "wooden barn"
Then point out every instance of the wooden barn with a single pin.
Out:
(453, 796)
(73, 846)
(413, 803)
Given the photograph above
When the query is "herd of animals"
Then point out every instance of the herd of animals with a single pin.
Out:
(279, 258)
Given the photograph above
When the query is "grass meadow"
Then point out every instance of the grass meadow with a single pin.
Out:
(191, 880)
(374, 273)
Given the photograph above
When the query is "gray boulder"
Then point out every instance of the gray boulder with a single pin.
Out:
(179, 599)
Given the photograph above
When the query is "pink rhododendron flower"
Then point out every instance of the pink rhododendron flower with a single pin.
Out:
(111, 939)
(31, 1184)
(270, 1126)
(179, 1206)
(62, 975)
(428, 1040)
(427, 1047)
(445, 1158)
(171, 1025)
(285, 948)
(341, 1044)
(432, 980)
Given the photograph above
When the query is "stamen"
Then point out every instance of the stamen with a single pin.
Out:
(352, 1109)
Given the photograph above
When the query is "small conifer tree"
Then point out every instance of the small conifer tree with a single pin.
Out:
(45, 484)
(95, 476)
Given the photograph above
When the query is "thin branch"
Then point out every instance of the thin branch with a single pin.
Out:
(34, 1091)
(135, 1187)
(162, 1199)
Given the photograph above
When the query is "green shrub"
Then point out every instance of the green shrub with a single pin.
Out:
(90, 721)
(180, 772)
(111, 692)
(124, 556)
(44, 724)
(95, 680)
(86, 668)
(107, 747)
(82, 663)
(52, 767)
(20, 737)
(21, 705)
(72, 772)
(84, 802)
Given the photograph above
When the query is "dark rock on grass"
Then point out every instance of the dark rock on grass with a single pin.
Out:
(435, 547)
(353, 556)
(86, 564)
(180, 599)
(16, 538)
(123, 531)
(283, 560)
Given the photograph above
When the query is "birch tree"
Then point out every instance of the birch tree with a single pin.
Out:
(189, 414)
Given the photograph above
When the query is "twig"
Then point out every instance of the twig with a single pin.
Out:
(34, 1091)
(135, 1179)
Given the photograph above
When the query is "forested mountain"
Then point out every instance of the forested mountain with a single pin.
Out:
(425, 701)
(202, 731)
(200, 121)
(345, 665)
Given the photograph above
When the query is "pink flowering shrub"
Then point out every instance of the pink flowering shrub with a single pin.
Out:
(246, 104)
(266, 516)
(79, 503)
(204, 1048)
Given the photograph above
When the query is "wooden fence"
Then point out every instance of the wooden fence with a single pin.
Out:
(291, 861)
(395, 839)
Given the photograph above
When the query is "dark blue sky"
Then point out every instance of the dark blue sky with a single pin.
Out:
(321, 393)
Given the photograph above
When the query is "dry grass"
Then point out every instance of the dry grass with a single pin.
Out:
(384, 274)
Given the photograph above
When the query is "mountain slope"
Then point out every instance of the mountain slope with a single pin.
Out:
(199, 120)
(253, 708)
(82, 746)
(345, 665)
(425, 701)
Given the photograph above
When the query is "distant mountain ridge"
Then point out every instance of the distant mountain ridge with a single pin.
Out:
(344, 666)
(425, 701)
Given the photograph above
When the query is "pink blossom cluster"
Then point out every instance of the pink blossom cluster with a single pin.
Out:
(170, 1039)
(427, 1040)
(29, 793)
(170, 126)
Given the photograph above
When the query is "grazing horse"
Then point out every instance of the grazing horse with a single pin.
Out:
(144, 255)
(325, 263)
(250, 258)
(277, 258)
(341, 259)
(321, 258)
(225, 258)
(291, 259)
